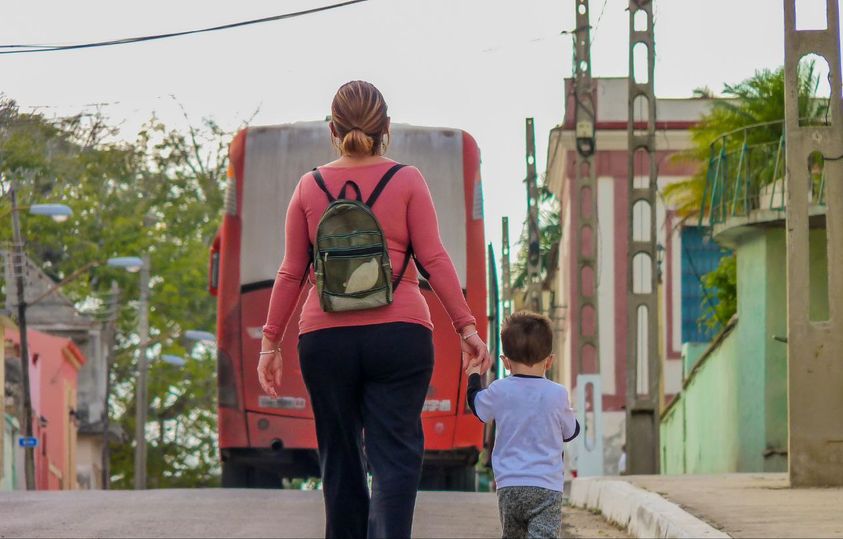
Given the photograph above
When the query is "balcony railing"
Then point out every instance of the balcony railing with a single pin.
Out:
(746, 172)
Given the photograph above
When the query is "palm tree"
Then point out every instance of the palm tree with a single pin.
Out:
(757, 101)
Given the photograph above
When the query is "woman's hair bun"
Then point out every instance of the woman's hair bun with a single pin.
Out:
(356, 142)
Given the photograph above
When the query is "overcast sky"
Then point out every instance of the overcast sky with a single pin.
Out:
(479, 65)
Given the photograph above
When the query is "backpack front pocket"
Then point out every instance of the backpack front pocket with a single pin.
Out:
(353, 271)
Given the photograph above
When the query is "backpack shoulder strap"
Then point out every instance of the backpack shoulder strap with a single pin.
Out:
(397, 280)
(321, 183)
(410, 255)
(382, 184)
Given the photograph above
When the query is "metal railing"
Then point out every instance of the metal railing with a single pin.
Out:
(746, 172)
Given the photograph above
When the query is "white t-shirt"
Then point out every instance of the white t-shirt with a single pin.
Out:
(534, 419)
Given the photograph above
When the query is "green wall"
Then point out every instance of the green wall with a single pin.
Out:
(775, 376)
(732, 413)
(700, 433)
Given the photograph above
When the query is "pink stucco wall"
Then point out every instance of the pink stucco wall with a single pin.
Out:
(53, 372)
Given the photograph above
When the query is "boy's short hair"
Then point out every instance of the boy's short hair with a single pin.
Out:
(527, 337)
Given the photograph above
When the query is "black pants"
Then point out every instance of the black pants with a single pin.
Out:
(370, 379)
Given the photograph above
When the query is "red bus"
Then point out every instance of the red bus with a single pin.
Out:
(264, 439)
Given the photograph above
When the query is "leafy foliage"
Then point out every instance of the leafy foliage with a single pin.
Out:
(724, 281)
(160, 194)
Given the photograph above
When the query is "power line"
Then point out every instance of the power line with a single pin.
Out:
(23, 49)
(597, 24)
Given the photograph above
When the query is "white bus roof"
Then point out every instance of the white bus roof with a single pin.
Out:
(277, 156)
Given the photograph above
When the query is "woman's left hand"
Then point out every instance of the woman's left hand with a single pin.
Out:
(269, 372)
(475, 351)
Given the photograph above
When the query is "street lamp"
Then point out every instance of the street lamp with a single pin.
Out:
(134, 264)
(177, 361)
(199, 335)
(59, 213)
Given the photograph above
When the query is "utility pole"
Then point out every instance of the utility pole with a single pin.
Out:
(643, 366)
(585, 194)
(534, 280)
(814, 348)
(18, 262)
(109, 358)
(142, 401)
(506, 287)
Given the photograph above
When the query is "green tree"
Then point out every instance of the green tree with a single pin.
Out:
(159, 194)
(550, 232)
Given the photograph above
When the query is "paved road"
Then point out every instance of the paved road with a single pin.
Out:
(242, 513)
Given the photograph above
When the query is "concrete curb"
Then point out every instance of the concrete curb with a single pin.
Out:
(641, 512)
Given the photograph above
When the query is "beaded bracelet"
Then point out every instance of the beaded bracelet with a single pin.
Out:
(466, 337)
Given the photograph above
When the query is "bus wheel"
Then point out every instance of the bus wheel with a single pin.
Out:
(238, 475)
(235, 474)
(454, 478)
(461, 478)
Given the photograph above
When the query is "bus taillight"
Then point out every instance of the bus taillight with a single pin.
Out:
(214, 267)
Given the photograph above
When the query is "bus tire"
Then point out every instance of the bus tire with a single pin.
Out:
(235, 474)
(461, 478)
(451, 478)
(239, 475)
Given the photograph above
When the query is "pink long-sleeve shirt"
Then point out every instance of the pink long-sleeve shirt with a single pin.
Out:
(407, 216)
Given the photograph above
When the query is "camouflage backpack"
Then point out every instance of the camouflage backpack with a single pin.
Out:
(350, 258)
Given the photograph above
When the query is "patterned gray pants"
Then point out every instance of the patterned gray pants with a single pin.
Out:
(530, 512)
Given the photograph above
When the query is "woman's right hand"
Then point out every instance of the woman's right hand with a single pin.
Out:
(269, 372)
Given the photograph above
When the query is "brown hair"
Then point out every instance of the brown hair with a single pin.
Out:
(527, 337)
(358, 113)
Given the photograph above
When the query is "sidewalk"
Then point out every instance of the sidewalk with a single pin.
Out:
(740, 505)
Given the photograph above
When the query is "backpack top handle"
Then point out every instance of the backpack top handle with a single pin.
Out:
(320, 181)
(343, 195)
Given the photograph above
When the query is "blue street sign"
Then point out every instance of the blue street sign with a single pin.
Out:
(28, 441)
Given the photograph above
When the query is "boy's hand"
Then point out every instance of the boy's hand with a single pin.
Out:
(474, 368)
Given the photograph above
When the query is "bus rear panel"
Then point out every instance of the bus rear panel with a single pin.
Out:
(264, 439)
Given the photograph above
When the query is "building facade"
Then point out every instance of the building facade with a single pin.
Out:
(674, 118)
(52, 312)
(54, 367)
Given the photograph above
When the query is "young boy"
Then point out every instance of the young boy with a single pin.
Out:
(534, 419)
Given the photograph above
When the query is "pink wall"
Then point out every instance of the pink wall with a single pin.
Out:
(53, 371)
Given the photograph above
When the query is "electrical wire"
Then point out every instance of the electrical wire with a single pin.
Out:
(597, 24)
(23, 48)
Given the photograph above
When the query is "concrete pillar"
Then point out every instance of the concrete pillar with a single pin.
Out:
(643, 372)
(815, 347)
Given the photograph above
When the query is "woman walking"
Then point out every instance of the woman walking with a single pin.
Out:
(365, 334)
